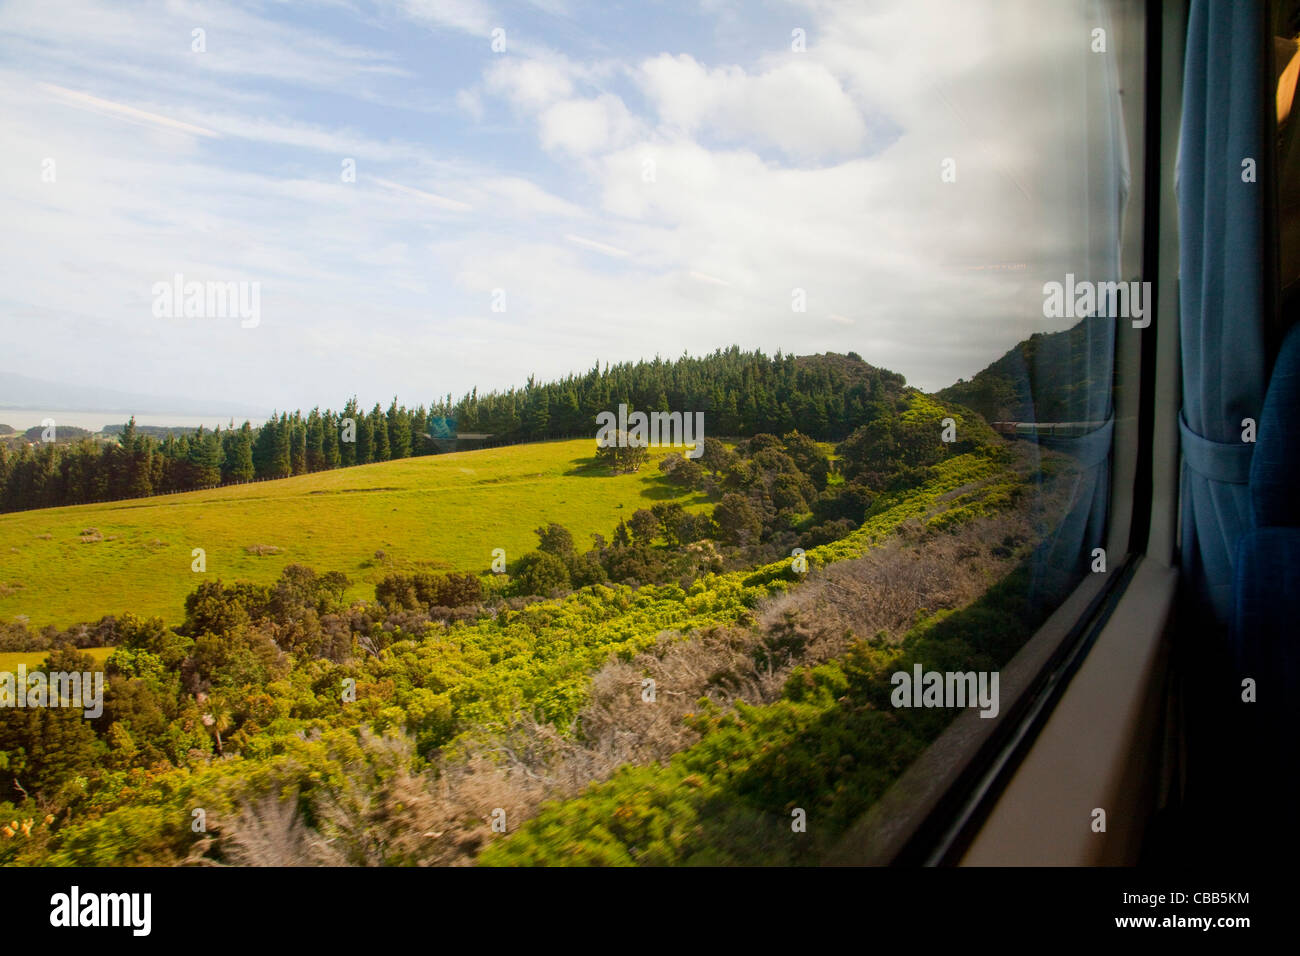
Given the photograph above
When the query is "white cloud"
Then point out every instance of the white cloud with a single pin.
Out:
(469, 16)
(587, 126)
(530, 83)
(799, 107)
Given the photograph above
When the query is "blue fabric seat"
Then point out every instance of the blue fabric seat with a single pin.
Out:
(1266, 579)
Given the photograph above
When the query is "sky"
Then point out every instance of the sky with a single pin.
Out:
(539, 186)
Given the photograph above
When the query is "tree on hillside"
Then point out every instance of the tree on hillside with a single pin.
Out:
(538, 420)
(365, 445)
(315, 441)
(348, 450)
(204, 459)
(555, 539)
(540, 573)
(737, 520)
(330, 437)
(621, 457)
(271, 449)
(240, 463)
(298, 446)
(398, 425)
(382, 450)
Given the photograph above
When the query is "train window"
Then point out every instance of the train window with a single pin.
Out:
(564, 599)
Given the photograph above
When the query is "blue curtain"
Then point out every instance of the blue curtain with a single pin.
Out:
(1222, 294)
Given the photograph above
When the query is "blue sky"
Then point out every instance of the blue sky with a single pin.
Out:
(524, 170)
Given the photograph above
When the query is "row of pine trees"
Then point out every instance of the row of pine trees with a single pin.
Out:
(138, 465)
(741, 394)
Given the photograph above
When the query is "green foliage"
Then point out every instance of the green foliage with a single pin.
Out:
(623, 457)
(243, 699)
(830, 746)
(737, 520)
(540, 573)
(423, 590)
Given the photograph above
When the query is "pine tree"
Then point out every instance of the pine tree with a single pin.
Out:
(298, 446)
(330, 435)
(398, 425)
(538, 421)
(204, 459)
(379, 434)
(240, 463)
(365, 451)
(348, 449)
(315, 441)
(420, 431)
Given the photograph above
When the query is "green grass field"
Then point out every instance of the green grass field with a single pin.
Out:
(447, 511)
(9, 660)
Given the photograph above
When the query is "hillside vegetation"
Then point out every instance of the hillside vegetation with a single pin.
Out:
(433, 720)
(65, 565)
(1048, 377)
(740, 394)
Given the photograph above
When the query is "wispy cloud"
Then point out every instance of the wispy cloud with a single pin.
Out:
(599, 247)
(705, 277)
(440, 201)
(122, 111)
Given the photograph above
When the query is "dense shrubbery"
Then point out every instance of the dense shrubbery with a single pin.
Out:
(831, 746)
(426, 591)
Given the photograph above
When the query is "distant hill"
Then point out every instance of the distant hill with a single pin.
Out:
(63, 433)
(1045, 378)
(23, 392)
(153, 431)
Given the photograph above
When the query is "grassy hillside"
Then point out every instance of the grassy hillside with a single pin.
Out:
(443, 511)
(9, 660)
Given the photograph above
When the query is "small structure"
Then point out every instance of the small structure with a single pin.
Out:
(1035, 430)
(447, 438)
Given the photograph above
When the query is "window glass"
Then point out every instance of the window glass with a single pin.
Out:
(572, 433)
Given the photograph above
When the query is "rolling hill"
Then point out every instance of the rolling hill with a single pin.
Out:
(65, 565)
(1044, 378)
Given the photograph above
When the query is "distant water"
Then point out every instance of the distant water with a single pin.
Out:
(22, 419)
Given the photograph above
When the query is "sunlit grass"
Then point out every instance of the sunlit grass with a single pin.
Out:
(447, 511)
(9, 660)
